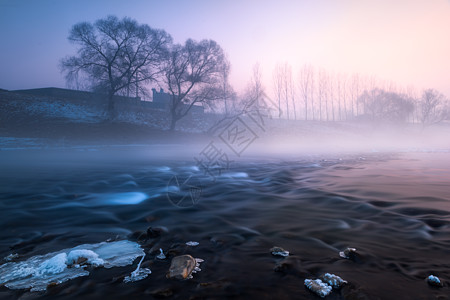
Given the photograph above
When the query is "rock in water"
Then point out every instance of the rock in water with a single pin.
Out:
(181, 266)
(333, 280)
(348, 253)
(318, 287)
(278, 251)
(434, 281)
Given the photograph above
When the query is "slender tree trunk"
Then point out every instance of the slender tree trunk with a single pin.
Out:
(173, 123)
(111, 107)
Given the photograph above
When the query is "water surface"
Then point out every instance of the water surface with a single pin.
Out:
(394, 208)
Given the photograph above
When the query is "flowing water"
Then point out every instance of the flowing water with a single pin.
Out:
(393, 208)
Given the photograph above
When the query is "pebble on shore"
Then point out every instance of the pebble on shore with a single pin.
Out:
(278, 251)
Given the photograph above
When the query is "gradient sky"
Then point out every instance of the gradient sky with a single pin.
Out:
(404, 41)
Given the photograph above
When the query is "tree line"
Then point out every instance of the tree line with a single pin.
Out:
(122, 57)
(315, 94)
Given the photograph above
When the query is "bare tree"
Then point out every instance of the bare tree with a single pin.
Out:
(411, 93)
(332, 94)
(227, 90)
(257, 89)
(277, 77)
(355, 90)
(339, 90)
(249, 103)
(321, 91)
(342, 96)
(305, 84)
(193, 73)
(115, 54)
(432, 107)
(291, 88)
(387, 106)
(288, 92)
(311, 90)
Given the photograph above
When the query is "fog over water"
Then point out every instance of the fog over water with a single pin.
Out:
(226, 150)
(386, 197)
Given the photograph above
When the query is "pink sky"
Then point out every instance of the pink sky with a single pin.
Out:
(404, 41)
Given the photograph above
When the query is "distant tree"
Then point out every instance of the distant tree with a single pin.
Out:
(194, 74)
(227, 89)
(278, 74)
(387, 106)
(321, 90)
(115, 55)
(255, 87)
(305, 84)
(332, 94)
(354, 92)
(432, 107)
(251, 102)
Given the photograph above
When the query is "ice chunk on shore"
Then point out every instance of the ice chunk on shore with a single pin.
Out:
(39, 271)
(333, 280)
(11, 257)
(434, 281)
(55, 265)
(318, 287)
(347, 253)
(278, 251)
(198, 261)
(192, 244)
(138, 274)
(161, 254)
(83, 256)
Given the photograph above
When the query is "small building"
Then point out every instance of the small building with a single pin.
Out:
(164, 99)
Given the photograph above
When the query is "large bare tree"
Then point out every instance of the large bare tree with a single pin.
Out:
(194, 74)
(114, 55)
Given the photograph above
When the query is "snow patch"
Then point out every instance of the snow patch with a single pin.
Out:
(90, 256)
(54, 265)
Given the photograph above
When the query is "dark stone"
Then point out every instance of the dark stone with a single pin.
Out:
(154, 232)
(181, 267)
(278, 251)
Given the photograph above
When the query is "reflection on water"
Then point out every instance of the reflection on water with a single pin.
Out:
(394, 209)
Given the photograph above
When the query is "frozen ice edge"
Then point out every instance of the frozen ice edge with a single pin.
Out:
(37, 272)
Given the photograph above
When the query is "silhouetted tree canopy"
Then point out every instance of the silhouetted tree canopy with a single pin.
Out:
(432, 107)
(194, 74)
(387, 106)
(115, 55)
